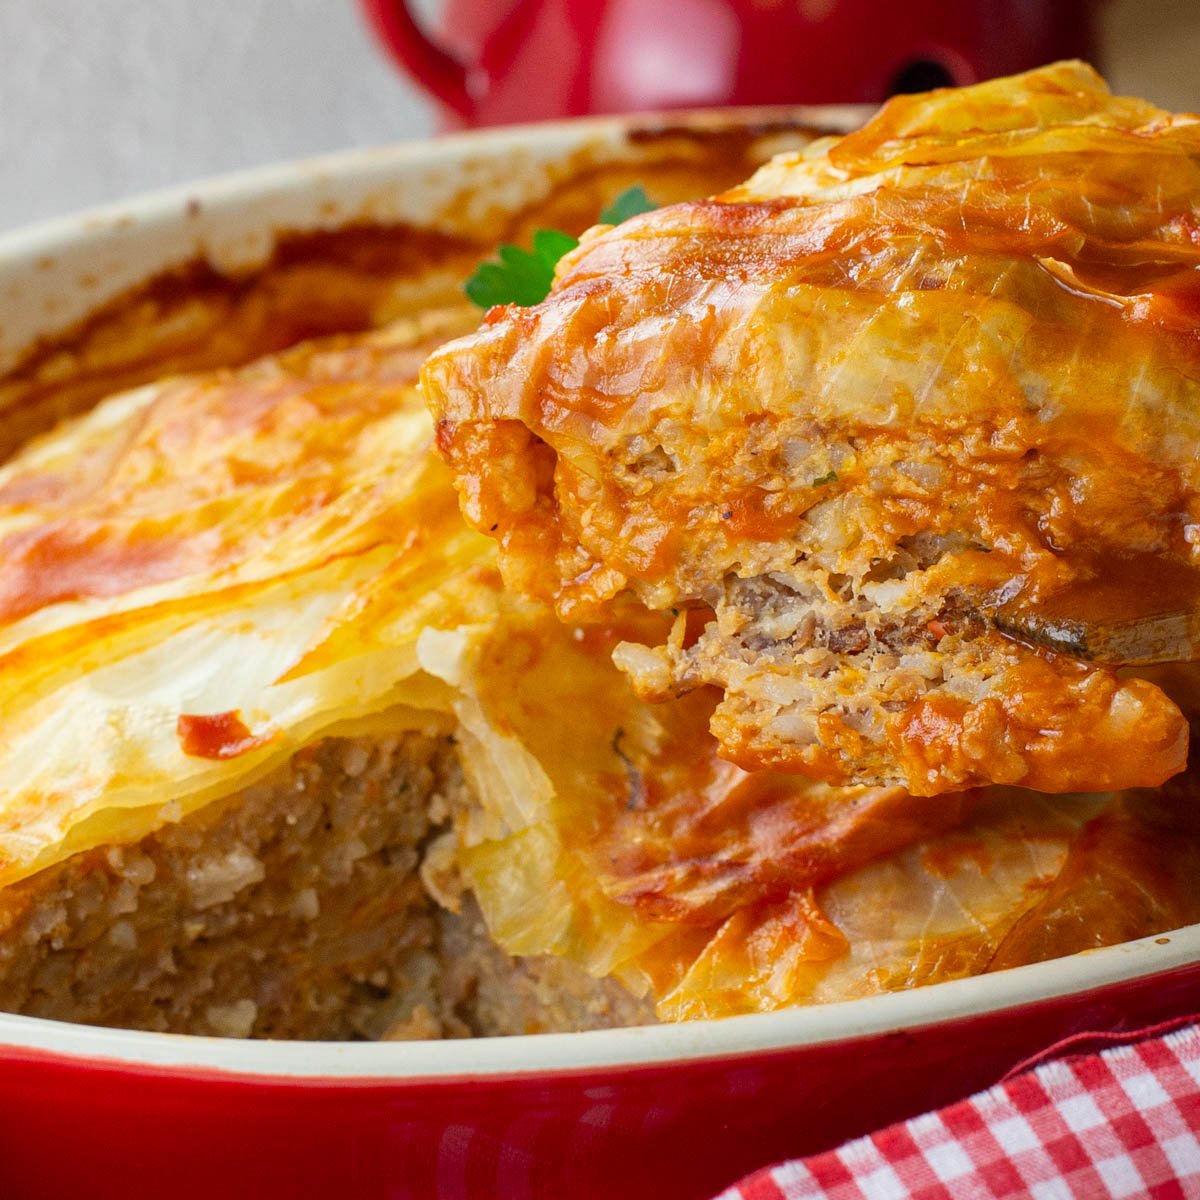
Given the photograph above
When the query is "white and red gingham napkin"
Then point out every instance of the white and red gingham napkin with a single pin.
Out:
(1121, 1122)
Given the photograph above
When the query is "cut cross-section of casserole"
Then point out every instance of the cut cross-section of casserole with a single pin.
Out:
(873, 425)
(225, 783)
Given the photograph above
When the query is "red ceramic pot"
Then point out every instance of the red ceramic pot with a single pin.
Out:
(500, 61)
(671, 1112)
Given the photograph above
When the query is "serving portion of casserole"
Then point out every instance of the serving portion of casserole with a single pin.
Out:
(899, 429)
(281, 756)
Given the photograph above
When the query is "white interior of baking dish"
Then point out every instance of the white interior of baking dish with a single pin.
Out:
(689, 1041)
(55, 273)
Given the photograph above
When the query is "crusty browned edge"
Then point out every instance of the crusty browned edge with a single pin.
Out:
(316, 283)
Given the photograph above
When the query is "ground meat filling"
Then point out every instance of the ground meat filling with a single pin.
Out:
(321, 902)
(796, 645)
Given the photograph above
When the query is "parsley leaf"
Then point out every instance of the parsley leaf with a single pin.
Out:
(820, 481)
(629, 203)
(521, 276)
(524, 276)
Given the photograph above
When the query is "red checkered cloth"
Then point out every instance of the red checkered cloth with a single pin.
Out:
(1122, 1122)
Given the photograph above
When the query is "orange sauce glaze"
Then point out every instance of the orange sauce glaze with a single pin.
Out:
(747, 516)
(1045, 728)
(217, 735)
(71, 561)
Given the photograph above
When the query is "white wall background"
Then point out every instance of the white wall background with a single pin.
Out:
(103, 98)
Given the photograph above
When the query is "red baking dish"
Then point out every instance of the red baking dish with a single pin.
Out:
(669, 1111)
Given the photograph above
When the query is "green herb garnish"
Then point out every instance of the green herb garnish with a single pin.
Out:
(520, 277)
(831, 477)
(524, 276)
(630, 203)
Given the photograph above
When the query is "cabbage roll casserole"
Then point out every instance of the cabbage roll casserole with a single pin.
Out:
(798, 603)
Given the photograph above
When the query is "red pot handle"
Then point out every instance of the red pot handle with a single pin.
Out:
(437, 71)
